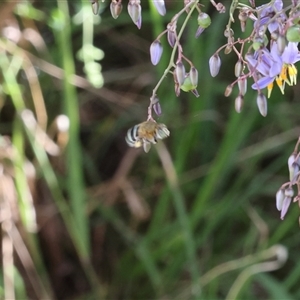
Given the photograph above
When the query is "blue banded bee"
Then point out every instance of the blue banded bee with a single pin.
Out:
(145, 133)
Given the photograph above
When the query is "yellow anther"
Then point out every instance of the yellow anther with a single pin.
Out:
(281, 83)
(270, 88)
(292, 70)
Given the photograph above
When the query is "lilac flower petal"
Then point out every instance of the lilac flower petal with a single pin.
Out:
(275, 69)
(262, 83)
(285, 205)
(273, 26)
(291, 54)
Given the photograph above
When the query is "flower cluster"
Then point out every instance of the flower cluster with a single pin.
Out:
(267, 56)
(285, 194)
(134, 9)
(272, 50)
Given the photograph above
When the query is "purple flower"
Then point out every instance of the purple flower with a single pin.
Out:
(268, 66)
(267, 12)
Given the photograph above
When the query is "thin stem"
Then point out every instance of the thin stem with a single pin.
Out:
(193, 5)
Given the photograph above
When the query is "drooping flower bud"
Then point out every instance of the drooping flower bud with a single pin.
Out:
(289, 192)
(228, 90)
(194, 76)
(238, 104)
(187, 85)
(115, 8)
(243, 17)
(293, 34)
(204, 20)
(135, 13)
(180, 72)
(156, 51)
(242, 84)
(156, 105)
(228, 33)
(285, 205)
(294, 172)
(262, 105)
(292, 159)
(228, 49)
(95, 7)
(160, 6)
(214, 65)
(281, 44)
(279, 199)
(171, 34)
(238, 68)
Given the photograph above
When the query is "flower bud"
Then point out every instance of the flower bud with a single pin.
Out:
(135, 13)
(228, 49)
(262, 105)
(115, 9)
(95, 7)
(156, 51)
(228, 90)
(156, 106)
(294, 172)
(289, 192)
(293, 34)
(243, 16)
(228, 32)
(279, 199)
(242, 84)
(285, 205)
(180, 72)
(194, 76)
(160, 6)
(214, 65)
(258, 43)
(292, 159)
(171, 34)
(187, 85)
(204, 20)
(177, 89)
(281, 44)
(238, 104)
(238, 68)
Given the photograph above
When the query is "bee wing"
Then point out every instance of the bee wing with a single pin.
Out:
(162, 132)
(146, 146)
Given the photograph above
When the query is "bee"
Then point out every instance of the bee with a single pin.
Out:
(145, 133)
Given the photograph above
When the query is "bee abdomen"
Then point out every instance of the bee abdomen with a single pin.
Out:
(132, 136)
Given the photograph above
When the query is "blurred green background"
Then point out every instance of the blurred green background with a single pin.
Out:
(83, 216)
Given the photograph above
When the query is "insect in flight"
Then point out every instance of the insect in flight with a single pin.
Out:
(145, 133)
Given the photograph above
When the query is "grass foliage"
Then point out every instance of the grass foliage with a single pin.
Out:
(85, 217)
